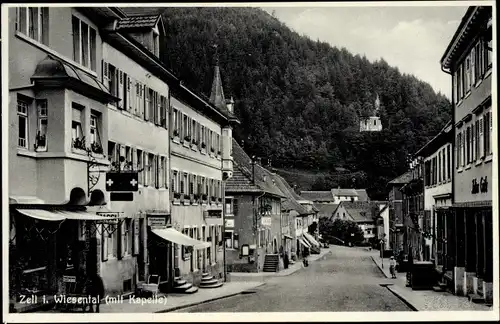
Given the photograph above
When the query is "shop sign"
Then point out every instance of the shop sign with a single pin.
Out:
(266, 221)
(114, 221)
(157, 221)
(229, 223)
(69, 278)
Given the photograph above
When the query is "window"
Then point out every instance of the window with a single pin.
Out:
(84, 44)
(487, 131)
(467, 74)
(229, 206)
(127, 237)
(175, 122)
(375, 122)
(41, 134)
(34, 23)
(448, 162)
(228, 238)
(76, 126)
(462, 148)
(185, 131)
(459, 83)
(478, 62)
(439, 167)
(468, 145)
(95, 139)
(22, 117)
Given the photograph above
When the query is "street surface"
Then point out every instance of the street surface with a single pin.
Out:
(345, 280)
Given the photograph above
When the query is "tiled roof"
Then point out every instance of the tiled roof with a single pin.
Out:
(138, 22)
(317, 195)
(242, 175)
(290, 203)
(402, 179)
(362, 195)
(344, 192)
(326, 210)
(363, 211)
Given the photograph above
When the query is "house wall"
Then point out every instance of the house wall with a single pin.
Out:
(479, 168)
(243, 225)
(338, 199)
(32, 172)
(341, 213)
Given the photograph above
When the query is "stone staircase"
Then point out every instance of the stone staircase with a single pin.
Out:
(209, 281)
(183, 287)
(271, 263)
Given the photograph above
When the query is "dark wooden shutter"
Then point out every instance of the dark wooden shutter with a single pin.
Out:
(119, 249)
(104, 247)
(146, 107)
(235, 207)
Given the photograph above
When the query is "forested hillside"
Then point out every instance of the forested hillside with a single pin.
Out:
(299, 100)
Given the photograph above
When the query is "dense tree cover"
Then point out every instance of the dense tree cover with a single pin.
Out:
(300, 100)
(340, 230)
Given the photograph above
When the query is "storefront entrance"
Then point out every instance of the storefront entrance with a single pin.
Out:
(159, 253)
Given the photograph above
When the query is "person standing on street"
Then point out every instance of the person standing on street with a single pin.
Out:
(392, 267)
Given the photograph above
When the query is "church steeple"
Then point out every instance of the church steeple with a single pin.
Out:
(217, 95)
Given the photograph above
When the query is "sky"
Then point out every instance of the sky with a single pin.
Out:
(410, 38)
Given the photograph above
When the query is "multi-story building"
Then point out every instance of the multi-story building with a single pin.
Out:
(469, 60)
(90, 96)
(200, 164)
(437, 194)
(396, 233)
(58, 136)
(365, 215)
(138, 125)
(294, 215)
(413, 211)
(253, 227)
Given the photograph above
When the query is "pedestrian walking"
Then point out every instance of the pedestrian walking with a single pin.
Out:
(392, 267)
(286, 261)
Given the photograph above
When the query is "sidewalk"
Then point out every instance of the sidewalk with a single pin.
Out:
(261, 276)
(424, 300)
(178, 301)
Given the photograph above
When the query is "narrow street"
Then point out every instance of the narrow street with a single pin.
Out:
(345, 280)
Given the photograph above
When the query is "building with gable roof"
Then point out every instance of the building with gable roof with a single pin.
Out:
(468, 59)
(253, 219)
(396, 232)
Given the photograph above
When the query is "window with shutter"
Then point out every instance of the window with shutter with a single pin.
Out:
(147, 100)
(486, 131)
(481, 138)
(105, 75)
(121, 90)
(128, 98)
(473, 66)
(235, 207)
(136, 236)
(491, 133)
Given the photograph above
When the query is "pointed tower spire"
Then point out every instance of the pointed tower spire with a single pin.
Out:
(217, 95)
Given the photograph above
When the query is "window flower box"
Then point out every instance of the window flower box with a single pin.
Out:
(79, 144)
(196, 198)
(213, 199)
(96, 148)
(175, 137)
(204, 198)
(194, 145)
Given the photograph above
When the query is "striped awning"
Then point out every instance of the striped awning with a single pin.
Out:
(304, 243)
(174, 236)
(311, 239)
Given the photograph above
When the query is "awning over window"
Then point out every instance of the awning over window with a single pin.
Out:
(311, 239)
(172, 235)
(304, 243)
(59, 215)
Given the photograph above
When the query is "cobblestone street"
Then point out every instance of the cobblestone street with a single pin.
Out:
(345, 280)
